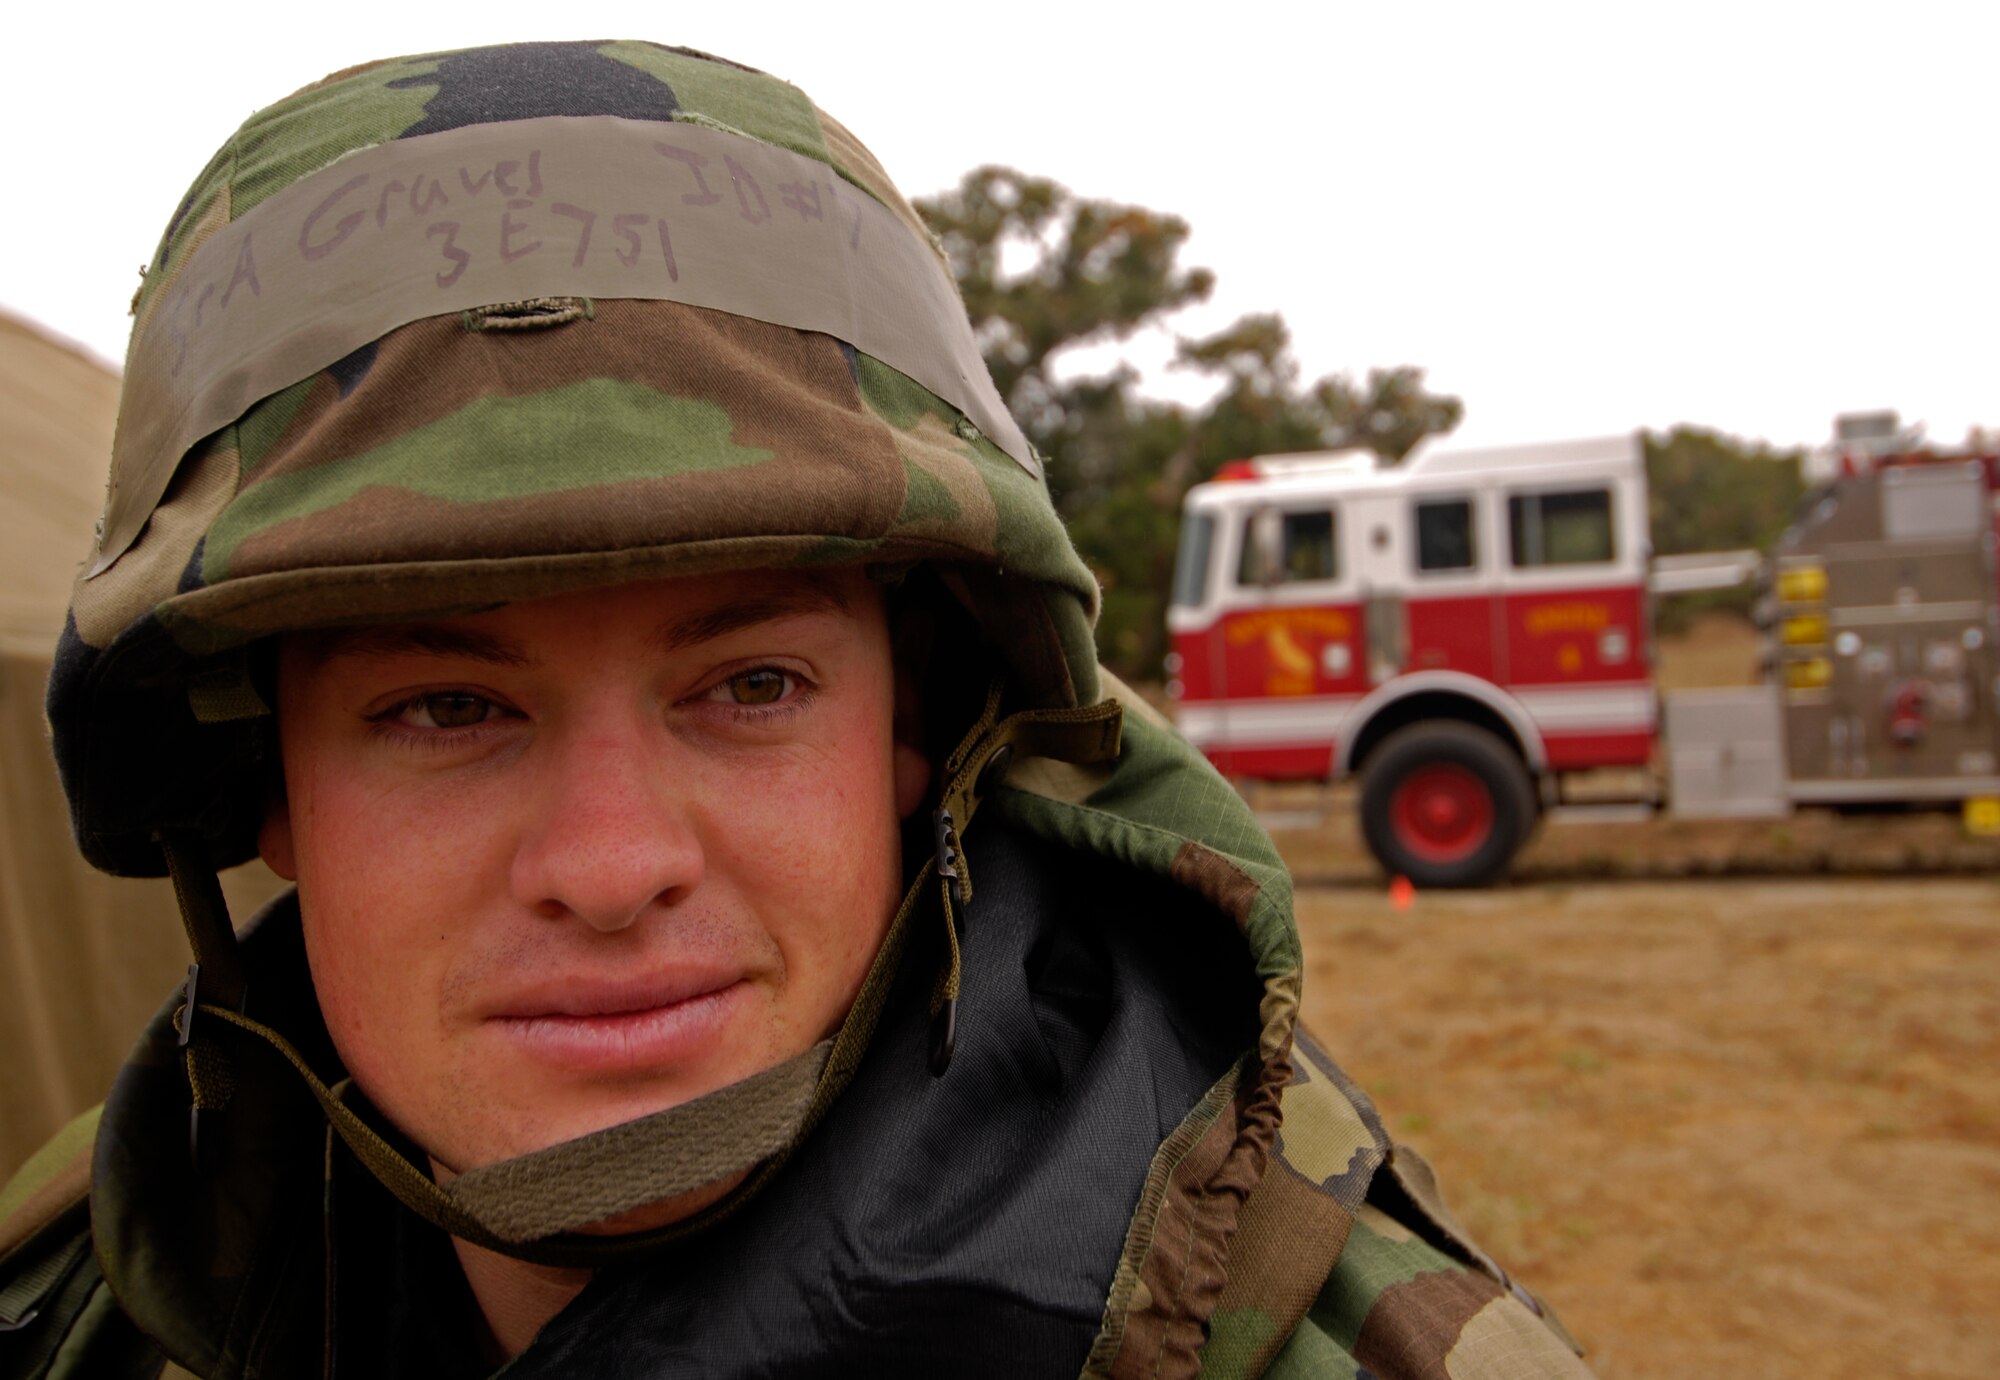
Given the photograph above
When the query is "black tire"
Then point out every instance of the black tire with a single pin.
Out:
(1447, 765)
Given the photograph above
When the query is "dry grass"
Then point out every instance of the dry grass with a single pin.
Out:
(1729, 1128)
(1320, 837)
(1717, 649)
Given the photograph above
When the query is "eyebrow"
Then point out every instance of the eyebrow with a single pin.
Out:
(764, 607)
(418, 639)
(444, 640)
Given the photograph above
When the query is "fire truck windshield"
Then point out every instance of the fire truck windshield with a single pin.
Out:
(1191, 565)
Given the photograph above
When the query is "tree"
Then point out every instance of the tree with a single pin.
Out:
(1391, 413)
(1043, 271)
(1099, 271)
(1262, 410)
(1711, 492)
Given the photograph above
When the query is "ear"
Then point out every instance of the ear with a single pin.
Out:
(274, 839)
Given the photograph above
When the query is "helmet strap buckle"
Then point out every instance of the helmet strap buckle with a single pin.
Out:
(215, 976)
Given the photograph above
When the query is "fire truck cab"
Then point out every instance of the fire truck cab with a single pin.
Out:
(1458, 630)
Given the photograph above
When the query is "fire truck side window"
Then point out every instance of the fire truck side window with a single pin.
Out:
(1560, 528)
(1288, 548)
(1444, 535)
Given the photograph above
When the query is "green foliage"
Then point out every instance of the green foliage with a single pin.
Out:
(1713, 493)
(1043, 270)
(1391, 412)
(1100, 271)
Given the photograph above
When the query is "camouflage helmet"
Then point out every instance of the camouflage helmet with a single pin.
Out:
(445, 331)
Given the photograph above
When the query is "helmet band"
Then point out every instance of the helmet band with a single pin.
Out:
(590, 206)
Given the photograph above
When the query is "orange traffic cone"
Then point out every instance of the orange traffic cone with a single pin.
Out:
(1402, 894)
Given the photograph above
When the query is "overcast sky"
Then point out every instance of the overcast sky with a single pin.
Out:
(1579, 218)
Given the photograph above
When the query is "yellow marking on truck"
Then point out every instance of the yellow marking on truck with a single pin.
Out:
(1255, 627)
(1546, 619)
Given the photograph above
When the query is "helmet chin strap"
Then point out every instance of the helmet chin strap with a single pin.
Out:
(532, 1206)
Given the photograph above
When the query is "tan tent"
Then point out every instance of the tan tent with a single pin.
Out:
(84, 958)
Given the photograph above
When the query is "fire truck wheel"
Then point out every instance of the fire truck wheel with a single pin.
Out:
(1445, 804)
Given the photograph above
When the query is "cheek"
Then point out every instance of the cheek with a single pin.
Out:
(351, 826)
(827, 891)
(385, 878)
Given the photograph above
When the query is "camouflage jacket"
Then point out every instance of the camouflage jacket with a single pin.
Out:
(1138, 1165)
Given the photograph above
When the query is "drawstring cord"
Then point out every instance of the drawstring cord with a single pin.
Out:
(975, 768)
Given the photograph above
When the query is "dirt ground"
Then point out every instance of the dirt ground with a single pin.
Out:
(1728, 1095)
(1728, 1127)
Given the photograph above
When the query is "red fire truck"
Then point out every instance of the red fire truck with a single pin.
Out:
(1467, 630)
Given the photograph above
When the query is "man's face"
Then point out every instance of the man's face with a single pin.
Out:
(575, 860)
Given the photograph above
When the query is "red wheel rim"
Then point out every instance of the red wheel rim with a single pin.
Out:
(1442, 812)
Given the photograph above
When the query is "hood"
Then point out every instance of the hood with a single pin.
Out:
(1231, 1159)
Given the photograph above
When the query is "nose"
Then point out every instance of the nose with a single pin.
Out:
(609, 835)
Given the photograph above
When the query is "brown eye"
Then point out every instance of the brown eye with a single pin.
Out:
(451, 710)
(757, 687)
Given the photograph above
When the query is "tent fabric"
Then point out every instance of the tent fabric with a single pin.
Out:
(58, 407)
(84, 958)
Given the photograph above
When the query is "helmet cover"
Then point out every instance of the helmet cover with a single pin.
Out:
(442, 332)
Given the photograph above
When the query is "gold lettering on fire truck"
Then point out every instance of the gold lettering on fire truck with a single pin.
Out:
(1291, 639)
(1546, 620)
(1255, 627)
